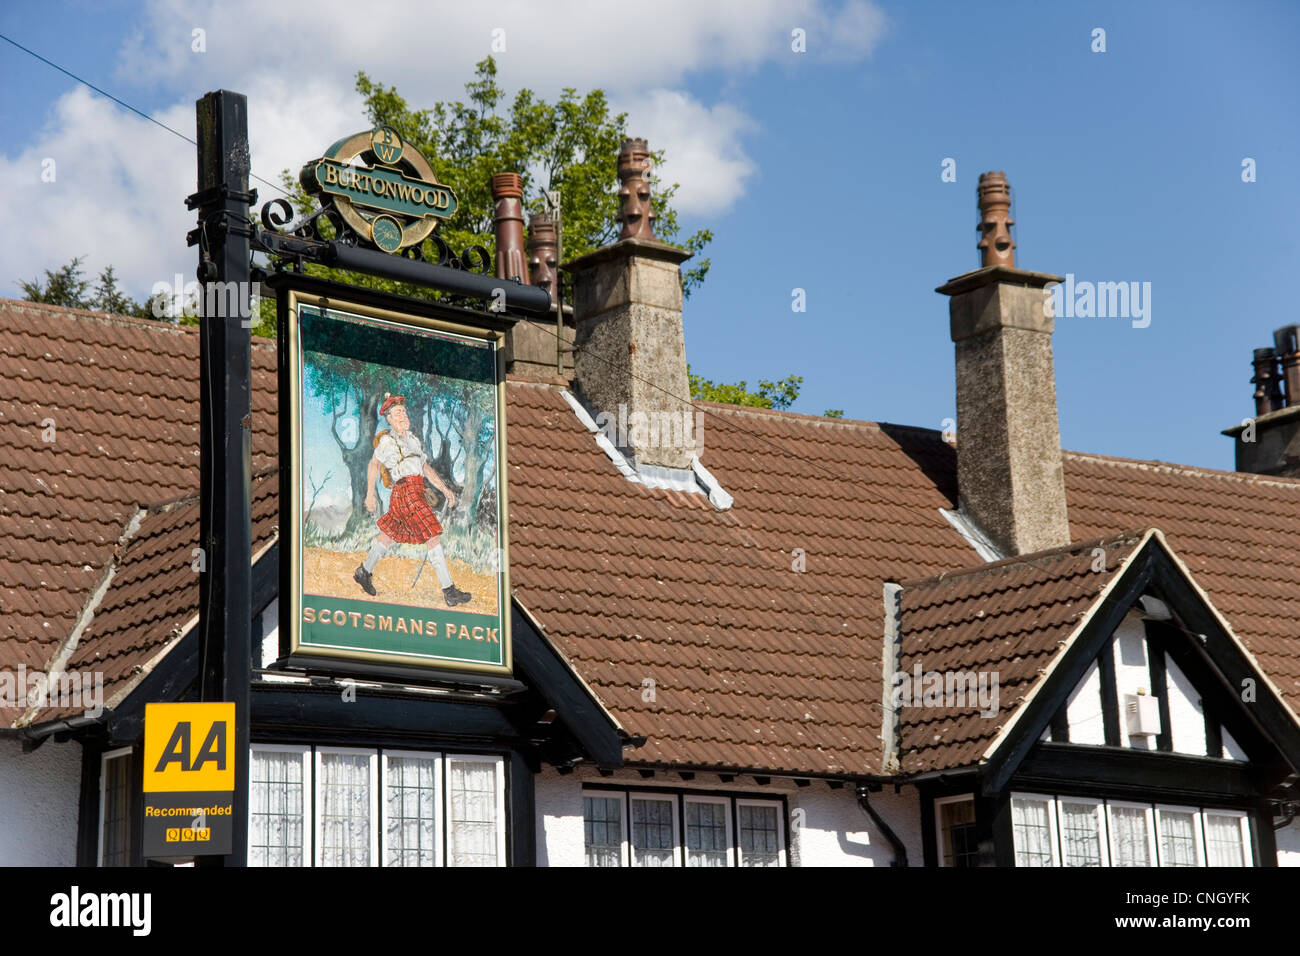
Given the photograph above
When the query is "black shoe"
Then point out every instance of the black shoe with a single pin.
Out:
(453, 596)
(362, 577)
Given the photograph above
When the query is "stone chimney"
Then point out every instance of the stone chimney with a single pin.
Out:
(1269, 443)
(630, 359)
(1009, 477)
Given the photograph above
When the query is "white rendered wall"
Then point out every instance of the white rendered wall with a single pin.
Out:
(271, 633)
(826, 827)
(39, 796)
(1186, 719)
(1231, 749)
(559, 818)
(1084, 710)
(837, 832)
(1288, 844)
(1132, 674)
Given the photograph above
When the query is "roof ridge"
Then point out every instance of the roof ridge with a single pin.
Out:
(1176, 468)
(113, 318)
(1134, 536)
(760, 412)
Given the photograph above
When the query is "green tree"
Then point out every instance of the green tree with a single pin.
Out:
(69, 287)
(778, 395)
(110, 298)
(65, 286)
(569, 145)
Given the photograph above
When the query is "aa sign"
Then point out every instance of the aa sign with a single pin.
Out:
(189, 747)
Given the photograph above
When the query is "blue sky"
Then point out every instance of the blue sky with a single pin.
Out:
(817, 170)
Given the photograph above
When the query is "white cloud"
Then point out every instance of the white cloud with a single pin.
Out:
(703, 145)
(118, 197)
(432, 47)
(121, 181)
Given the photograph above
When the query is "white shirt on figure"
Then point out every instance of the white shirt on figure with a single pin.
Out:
(403, 457)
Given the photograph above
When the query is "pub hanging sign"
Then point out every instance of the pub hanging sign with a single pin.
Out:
(393, 474)
(382, 186)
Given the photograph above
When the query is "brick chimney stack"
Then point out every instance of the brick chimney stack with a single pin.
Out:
(1010, 479)
(630, 360)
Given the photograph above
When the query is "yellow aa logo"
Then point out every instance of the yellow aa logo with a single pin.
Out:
(189, 747)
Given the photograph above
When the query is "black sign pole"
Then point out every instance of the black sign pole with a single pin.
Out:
(225, 583)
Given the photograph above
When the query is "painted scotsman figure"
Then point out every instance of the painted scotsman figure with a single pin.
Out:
(409, 519)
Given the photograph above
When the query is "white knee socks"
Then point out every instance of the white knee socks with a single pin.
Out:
(440, 565)
(377, 551)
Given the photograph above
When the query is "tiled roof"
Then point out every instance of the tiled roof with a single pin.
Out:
(756, 665)
(99, 416)
(1009, 619)
(153, 596)
(1238, 534)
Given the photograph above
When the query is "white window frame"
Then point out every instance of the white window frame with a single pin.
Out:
(730, 824)
(1198, 833)
(500, 777)
(1152, 813)
(1053, 831)
(1153, 856)
(625, 821)
(321, 752)
(304, 753)
(664, 797)
(439, 808)
(1103, 826)
(780, 829)
(677, 801)
(939, 804)
(104, 758)
(1243, 826)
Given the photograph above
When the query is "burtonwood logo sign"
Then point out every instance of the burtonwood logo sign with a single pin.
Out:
(395, 201)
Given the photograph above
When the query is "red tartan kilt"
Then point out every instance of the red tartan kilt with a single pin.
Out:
(409, 518)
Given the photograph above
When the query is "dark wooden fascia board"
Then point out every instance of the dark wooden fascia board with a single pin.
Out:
(1232, 665)
(1119, 772)
(544, 670)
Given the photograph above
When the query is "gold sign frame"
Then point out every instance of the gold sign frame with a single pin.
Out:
(420, 318)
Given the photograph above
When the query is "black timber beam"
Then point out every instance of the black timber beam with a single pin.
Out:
(542, 668)
(1149, 775)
